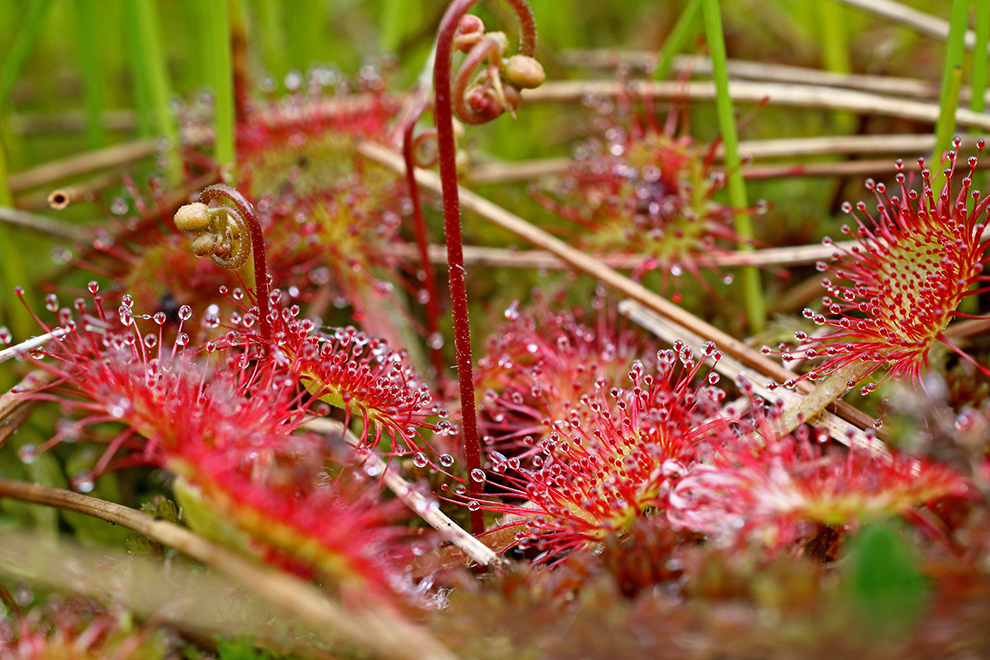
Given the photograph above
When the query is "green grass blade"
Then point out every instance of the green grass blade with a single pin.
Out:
(156, 75)
(14, 58)
(391, 27)
(955, 48)
(752, 287)
(980, 58)
(218, 34)
(305, 23)
(6, 198)
(980, 61)
(142, 93)
(835, 38)
(89, 61)
(686, 29)
(835, 50)
(269, 23)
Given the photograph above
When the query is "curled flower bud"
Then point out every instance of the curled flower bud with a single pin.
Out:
(484, 103)
(424, 149)
(524, 72)
(500, 40)
(193, 217)
(229, 234)
(470, 30)
(225, 235)
(480, 99)
(206, 245)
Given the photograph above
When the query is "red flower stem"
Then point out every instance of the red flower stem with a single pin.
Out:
(443, 115)
(246, 209)
(422, 241)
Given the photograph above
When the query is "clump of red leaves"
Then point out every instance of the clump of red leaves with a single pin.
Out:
(777, 491)
(901, 286)
(641, 191)
(538, 365)
(306, 141)
(613, 458)
(664, 451)
(298, 157)
(226, 418)
(277, 489)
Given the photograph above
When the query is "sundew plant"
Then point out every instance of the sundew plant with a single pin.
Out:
(494, 329)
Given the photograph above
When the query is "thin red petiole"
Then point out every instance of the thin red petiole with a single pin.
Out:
(447, 149)
(422, 242)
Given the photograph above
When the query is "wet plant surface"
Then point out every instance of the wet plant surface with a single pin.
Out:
(657, 332)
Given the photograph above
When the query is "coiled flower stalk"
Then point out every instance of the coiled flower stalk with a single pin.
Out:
(476, 103)
(229, 234)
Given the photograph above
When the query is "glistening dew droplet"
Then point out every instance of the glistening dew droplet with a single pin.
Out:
(27, 453)
(82, 482)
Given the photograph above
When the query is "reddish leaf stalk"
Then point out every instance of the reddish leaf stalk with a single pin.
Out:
(246, 209)
(422, 241)
(452, 220)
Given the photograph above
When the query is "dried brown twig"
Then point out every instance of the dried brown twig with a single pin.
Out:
(43, 224)
(507, 258)
(766, 72)
(60, 198)
(14, 409)
(902, 145)
(202, 605)
(120, 154)
(898, 12)
(797, 96)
